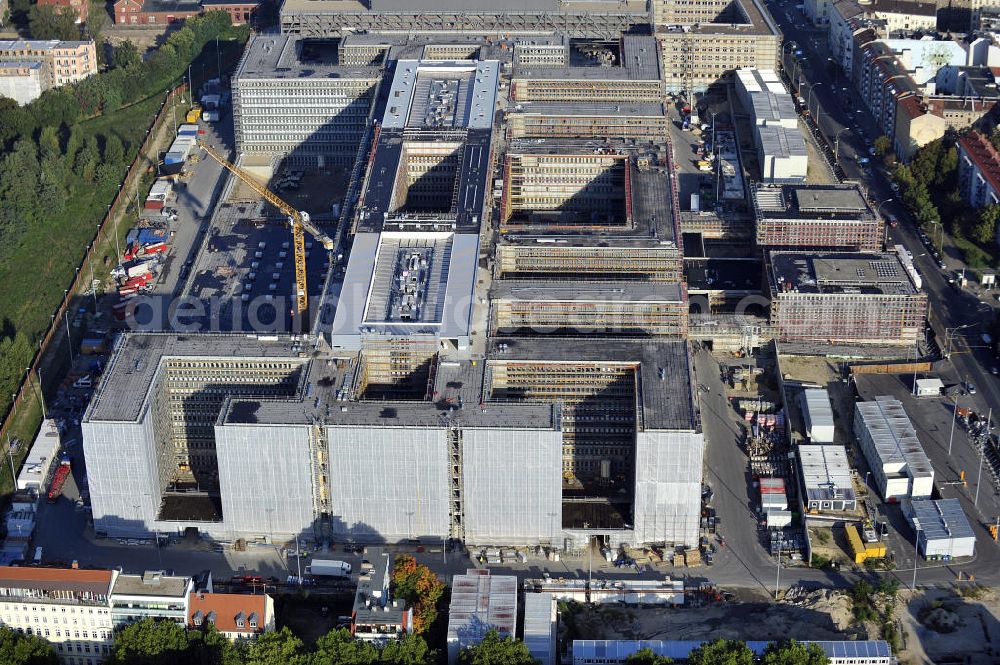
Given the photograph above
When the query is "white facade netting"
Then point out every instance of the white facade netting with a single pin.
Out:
(121, 476)
(511, 486)
(668, 487)
(389, 482)
(265, 478)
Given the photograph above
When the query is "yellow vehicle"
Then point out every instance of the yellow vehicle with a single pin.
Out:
(193, 115)
(298, 219)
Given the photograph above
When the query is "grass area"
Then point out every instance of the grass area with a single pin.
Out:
(25, 425)
(41, 265)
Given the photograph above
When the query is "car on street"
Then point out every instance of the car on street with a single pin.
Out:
(970, 387)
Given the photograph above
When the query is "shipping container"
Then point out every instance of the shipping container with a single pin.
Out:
(188, 130)
(154, 204)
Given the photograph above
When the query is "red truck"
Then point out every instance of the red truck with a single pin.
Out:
(59, 479)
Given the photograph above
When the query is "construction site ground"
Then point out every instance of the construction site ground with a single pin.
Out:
(823, 372)
(943, 626)
(754, 616)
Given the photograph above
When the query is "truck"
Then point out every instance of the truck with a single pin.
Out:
(329, 568)
(132, 269)
(59, 479)
(138, 250)
(212, 105)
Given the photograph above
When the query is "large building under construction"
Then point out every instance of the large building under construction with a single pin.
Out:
(827, 217)
(535, 390)
(848, 299)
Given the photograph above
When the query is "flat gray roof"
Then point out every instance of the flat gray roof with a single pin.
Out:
(457, 399)
(826, 472)
(272, 56)
(128, 378)
(840, 273)
(152, 583)
(464, 6)
(941, 519)
(640, 61)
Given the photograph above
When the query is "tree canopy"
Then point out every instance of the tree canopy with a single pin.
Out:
(791, 652)
(19, 649)
(722, 652)
(496, 650)
(647, 656)
(420, 587)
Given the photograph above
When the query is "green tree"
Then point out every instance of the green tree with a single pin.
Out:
(44, 22)
(149, 642)
(883, 146)
(114, 151)
(411, 650)
(722, 652)
(496, 650)
(126, 55)
(276, 647)
(19, 649)
(86, 161)
(793, 653)
(985, 229)
(338, 646)
(647, 656)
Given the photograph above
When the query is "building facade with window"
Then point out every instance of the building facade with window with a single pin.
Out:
(235, 615)
(70, 608)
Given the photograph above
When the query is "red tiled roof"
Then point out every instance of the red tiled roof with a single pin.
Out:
(984, 156)
(56, 579)
(912, 106)
(226, 606)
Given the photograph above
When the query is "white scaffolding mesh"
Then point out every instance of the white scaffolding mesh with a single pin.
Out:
(668, 487)
(511, 486)
(265, 479)
(389, 483)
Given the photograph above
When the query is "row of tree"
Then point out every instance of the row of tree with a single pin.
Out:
(52, 160)
(151, 642)
(930, 190)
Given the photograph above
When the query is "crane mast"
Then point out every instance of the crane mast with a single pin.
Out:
(298, 220)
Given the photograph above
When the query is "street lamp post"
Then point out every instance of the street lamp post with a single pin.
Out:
(916, 543)
(954, 417)
(836, 145)
(982, 454)
(777, 579)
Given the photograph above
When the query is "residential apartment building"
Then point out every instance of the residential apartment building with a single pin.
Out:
(152, 595)
(916, 90)
(978, 171)
(235, 615)
(58, 63)
(292, 98)
(70, 608)
(79, 7)
(154, 12)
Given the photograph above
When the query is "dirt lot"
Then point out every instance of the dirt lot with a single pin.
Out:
(941, 626)
(311, 617)
(822, 616)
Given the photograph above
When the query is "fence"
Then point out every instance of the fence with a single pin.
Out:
(135, 171)
(897, 368)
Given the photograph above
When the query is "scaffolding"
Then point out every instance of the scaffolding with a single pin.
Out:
(396, 368)
(629, 319)
(598, 415)
(630, 261)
